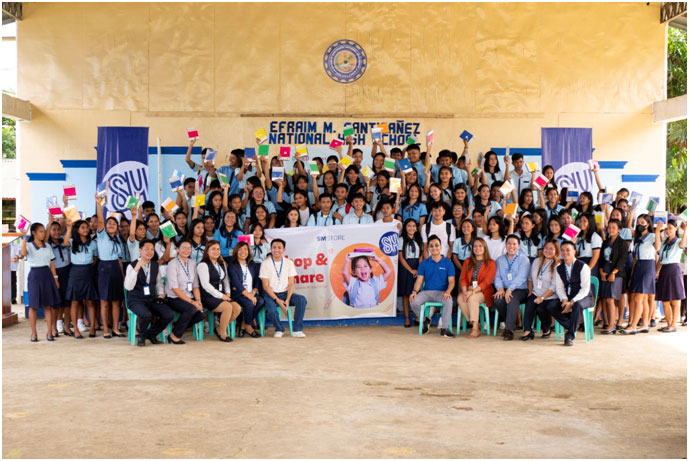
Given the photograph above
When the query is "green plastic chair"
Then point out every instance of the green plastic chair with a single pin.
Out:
(262, 318)
(426, 310)
(484, 317)
(231, 328)
(461, 321)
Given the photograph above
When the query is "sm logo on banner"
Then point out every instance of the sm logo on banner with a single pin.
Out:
(575, 175)
(126, 179)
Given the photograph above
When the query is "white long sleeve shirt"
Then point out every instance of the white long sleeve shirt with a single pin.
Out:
(585, 277)
(131, 276)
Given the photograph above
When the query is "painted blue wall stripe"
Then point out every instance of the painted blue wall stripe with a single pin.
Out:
(514, 150)
(47, 176)
(611, 165)
(639, 177)
(78, 163)
(174, 150)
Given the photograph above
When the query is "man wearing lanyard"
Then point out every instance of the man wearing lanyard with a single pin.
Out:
(573, 287)
(277, 275)
(145, 294)
(511, 284)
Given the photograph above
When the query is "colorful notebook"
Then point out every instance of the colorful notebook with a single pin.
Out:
(348, 130)
(199, 200)
(170, 205)
(405, 165)
(192, 133)
(261, 135)
(335, 143)
(264, 150)
(466, 136)
(395, 185)
(168, 229)
(72, 214)
(285, 151)
(70, 192)
(389, 164)
(571, 232)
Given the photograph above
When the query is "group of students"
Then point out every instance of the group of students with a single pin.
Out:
(438, 198)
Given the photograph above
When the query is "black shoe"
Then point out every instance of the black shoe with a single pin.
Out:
(154, 340)
(426, 325)
(181, 341)
(608, 332)
(92, 335)
(630, 332)
(50, 338)
(34, 340)
(78, 337)
(653, 323)
(107, 336)
(446, 333)
(118, 335)
(643, 330)
(569, 342)
(546, 335)
(254, 334)
(140, 341)
(639, 323)
(528, 336)
(68, 333)
(664, 330)
(508, 335)
(227, 338)
(581, 328)
(241, 333)
(597, 322)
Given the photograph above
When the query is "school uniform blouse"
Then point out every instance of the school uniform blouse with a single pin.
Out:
(352, 218)
(493, 177)
(179, 275)
(86, 254)
(549, 211)
(155, 238)
(462, 249)
(318, 219)
(670, 252)
(62, 255)
(109, 249)
(227, 242)
(204, 280)
(528, 248)
(644, 249)
(133, 247)
(496, 247)
(484, 277)
(38, 257)
(413, 250)
(272, 196)
(266, 203)
(415, 212)
(543, 280)
(197, 250)
(341, 209)
(585, 249)
(494, 208)
(260, 252)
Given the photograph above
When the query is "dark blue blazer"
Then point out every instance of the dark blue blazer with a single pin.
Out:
(237, 279)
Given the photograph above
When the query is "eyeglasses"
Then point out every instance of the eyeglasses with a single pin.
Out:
(434, 245)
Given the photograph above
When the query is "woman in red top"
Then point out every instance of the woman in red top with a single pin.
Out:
(475, 283)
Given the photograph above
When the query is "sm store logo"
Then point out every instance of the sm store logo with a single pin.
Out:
(329, 238)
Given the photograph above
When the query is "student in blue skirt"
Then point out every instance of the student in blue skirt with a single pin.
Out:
(670, 287)
(80, 287)
(42, 283)
(642, 285)
(110, 272)
(62, 265)
(409, 257)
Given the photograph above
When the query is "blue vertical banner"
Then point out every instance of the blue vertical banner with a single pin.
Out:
(568, 150)
(123, 160)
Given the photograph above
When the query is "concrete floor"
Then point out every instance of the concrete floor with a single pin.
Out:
(358, 392)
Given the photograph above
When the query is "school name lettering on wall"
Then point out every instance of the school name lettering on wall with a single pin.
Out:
(321, 133)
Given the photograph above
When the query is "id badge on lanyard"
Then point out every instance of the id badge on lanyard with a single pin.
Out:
(147, 290)
(540, 284)
(189, 287)
(509, 277)
(474, 284)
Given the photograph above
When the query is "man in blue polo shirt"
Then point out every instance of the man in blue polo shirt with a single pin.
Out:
(439, 273)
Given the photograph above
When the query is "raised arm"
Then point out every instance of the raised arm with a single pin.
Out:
(187, 157)
(99, 214)
(268, 181)
(346, 276)
(350, 143)
(225, 194)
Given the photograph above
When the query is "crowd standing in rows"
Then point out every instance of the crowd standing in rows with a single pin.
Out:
(464, 238)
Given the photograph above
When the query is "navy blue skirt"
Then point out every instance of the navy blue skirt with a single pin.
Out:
(670, 284)
(405, 279)
(63, 278)
(643, 280)
(81, 286)
(43, 291)
(110, 281)
(611, 290)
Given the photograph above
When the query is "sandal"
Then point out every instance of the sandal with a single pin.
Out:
(407, 323)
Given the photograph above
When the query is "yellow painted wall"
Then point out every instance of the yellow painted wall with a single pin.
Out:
(502, 71)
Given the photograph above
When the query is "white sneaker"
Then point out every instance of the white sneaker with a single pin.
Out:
(501, 326)
(81, 326)
(60, 326)
(278, 334)
(298, 334)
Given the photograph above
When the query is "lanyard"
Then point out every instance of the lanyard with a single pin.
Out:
(218, 268)
(476, 271)
(324, 217)
(510, 264)
(544, 268)
(245, 274)
(184, 267)
(278, 272)
(147, 272)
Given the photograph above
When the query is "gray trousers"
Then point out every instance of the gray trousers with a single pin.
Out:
(433, 296)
